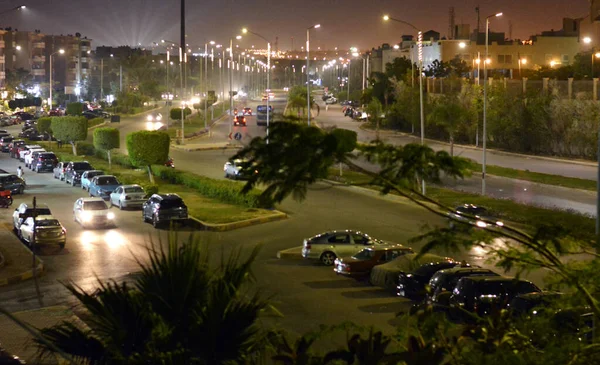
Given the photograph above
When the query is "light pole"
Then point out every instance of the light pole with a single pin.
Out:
(420, 50)
(523, 61)
(486, 61)
(308, 69)
(245, 30)
(231, 77)
(61, 51)
(181, 51)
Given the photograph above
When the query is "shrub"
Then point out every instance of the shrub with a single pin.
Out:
(70, 129)
(43, 125)
(222, 190)
(150, 189)
(146, 148)
(86, 149)
(74, 109)
(175, 113)
(107, 139)
(95, 121)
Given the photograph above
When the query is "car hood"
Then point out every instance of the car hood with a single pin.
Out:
(348, 260)
(97, 213)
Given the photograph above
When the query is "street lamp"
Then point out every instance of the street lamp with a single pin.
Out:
(587, 40)
(60, 51)
(420, 50)
(307, 67)
(487, 60)
(182, 90)
(594, 55)
(20, 7)
(245, 30)
(523, 61)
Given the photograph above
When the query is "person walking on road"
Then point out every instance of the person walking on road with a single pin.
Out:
(20, 172)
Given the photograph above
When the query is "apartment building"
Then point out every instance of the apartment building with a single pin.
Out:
(71, 69)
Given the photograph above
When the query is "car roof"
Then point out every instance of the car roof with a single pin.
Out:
(100, 176)
(92, 199)
(131, 186)
(388, 248)
(45, 217)
(460, 270)
(169, 196)
(88, 171)
(494, 279)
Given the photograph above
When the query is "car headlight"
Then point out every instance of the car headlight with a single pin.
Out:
(86, 216)
(110, 215)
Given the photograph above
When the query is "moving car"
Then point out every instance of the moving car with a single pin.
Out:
(128, 196)
(45, 161)
(13, 183)
(481, 295)
(93, 212)
(360, 265)
(74, 170)
(328, 246)
(443, 282)
(162, 208)
(239, 120)
(24, 211)
(473, 214)
(247, 111)
(59, 170)
(48, 231)
(103, 185)
(411, 283)
(87, 176)
(233, 170)
(386, 275)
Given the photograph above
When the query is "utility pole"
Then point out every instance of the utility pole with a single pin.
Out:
(101, 79)
(181, 51)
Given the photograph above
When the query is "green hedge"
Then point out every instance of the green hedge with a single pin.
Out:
(222, 190)
(85, 149)
(95, 121)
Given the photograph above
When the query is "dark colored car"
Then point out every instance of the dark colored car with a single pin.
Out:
(23, 116)
(99, 113)
(443, 282)
(163, 208)
(31, 134)
(5, 143)
(13, 183)
(29, 124)
(525, 304)
(45, 161)
(481, 295)
(360, 265)
(475, 215)
(239, 120)
(74, 170)
(412, 284)
(59, 170)
(14, 147)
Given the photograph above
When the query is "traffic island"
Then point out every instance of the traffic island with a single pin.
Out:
(294, 253)
(274, 216)
(16, 259)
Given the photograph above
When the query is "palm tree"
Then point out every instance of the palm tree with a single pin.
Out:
(180, 310)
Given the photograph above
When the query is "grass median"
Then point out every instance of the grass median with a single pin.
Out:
(581, 226)
(206, 209)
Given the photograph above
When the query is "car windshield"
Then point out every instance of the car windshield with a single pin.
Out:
(94, 205)
(47, 155)
(503, 287)
(47, 223)
(108, 181)
(82, 166)
(39, 211)
(134, 189)
(94, 173)
(364, 255)
(172, 203)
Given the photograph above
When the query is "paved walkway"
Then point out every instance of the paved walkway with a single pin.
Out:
(18, 257)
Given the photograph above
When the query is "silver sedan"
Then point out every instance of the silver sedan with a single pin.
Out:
(128, 196)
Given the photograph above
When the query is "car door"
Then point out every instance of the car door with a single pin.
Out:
(115, 196)
(27, 229)
(77, 210)
(360, 241)
(340, 244)
(10, 183)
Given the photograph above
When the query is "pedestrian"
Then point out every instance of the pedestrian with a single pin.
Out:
(326, 107)
(19, 172)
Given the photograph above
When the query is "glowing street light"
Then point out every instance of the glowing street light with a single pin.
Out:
(316, 26)
(462, 44)
(587, 40)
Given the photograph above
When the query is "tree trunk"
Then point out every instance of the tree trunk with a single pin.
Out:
(109, 162)
(74, 145)
(451, 145)
(150, 175)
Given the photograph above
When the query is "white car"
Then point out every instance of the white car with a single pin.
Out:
(48, 230)
(233, 170)
(93, 212)
(128, 196)
(331, 100)
(328, 246)
(26, 150)
(28, 159)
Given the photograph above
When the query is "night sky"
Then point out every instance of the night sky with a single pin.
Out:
(344, 23)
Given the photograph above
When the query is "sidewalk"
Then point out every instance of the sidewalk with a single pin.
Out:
(17, 257)
(189, 147)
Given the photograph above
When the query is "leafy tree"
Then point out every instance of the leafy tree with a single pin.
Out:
(75, 109)
(180, 310)
(175, 113)
(382, 88)
(146, 148)
(448, 113)
(458, 67)
(43, 125)
(18, 80)
(70, 129)
(375, 111)
(438, 69)
(106, 139)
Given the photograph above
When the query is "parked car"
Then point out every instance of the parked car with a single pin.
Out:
(31, 134)
(443, 282)
(13, 183)
(29, 125)
(233, 170)
(23, 116)
(59, 170)
(481, 295)
(247, 111)
(411, 284)
(102, 185)
(473, 214)
(25, 150)
(239, 120)
(32, 155)
(93, 212)
(90, 115)
(386, 275)
(74, 170)
(45, 161)
(48, 231)
(13, 147)
(24, 211)
(5, 143)
(99, 113)
(360, 265)
(328, 246)
(128, 196)
(523, 305)
(87, 176)
(164, 208)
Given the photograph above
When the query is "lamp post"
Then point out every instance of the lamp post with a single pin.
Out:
(487, 35)
(60, 51)
(231, 77)
(181, 51)
(308, 69)
(245, 30)
(420, 50)
(523, 61)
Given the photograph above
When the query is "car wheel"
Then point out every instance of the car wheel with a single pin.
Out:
(328, 258)
(120, 205)
(90, 193)
(82, 187)
(73, 182)
(37, 169)
(144, 219)
(155, 221)
(21, 189)
(61, 245)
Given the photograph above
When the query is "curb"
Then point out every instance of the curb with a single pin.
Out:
(98, 126)
(374, 193)
(228, 147)
(294, 253)
(277, 216)
(26, 275)
(499, 152)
